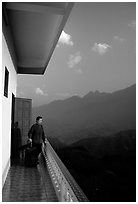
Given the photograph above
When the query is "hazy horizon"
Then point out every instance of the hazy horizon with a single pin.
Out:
(81, 96)
(96, 51)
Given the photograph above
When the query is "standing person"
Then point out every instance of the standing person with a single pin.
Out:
(36, 135)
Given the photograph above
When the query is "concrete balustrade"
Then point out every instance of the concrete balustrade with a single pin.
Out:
(66, 188)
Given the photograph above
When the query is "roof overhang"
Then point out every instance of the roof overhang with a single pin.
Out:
(32, 30)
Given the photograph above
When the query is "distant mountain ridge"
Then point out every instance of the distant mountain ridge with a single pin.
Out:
(104, 166)
(96, 113)
(121, 141)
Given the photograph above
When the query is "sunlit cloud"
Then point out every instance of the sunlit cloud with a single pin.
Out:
(65, 39)
(40, 92)
(132, 24)
(100, 48)
(119, 39)
(74, 60)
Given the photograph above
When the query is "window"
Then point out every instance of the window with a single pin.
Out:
(6, 81)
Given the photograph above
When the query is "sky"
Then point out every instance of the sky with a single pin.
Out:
(96, 51)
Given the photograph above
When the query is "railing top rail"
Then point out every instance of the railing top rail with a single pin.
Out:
(75, 187)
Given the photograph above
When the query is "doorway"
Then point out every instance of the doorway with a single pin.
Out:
(12, 127)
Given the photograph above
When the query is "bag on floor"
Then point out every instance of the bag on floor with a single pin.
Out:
(31, 158)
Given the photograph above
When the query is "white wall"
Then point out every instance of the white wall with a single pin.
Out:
(6, 107)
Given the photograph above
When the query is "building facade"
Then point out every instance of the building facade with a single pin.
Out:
(20, 55)
(9, 82)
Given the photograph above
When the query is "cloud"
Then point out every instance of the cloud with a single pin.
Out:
(21, 93)
(74, 60)
(79, 71)
(40, 92)
(119, 39)
(100, 48)
(132, 24)
(65, 39)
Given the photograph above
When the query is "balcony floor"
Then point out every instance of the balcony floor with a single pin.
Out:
(28, 184)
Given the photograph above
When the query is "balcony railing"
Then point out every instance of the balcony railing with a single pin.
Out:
(66, 188)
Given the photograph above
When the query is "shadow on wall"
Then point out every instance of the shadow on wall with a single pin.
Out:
(15, 142)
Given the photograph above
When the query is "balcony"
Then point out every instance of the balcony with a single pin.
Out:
(49, 182)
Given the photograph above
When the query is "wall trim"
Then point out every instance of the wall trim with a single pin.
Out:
(5, 172)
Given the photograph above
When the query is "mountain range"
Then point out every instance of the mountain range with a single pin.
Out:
(96, 113)
(104, 166)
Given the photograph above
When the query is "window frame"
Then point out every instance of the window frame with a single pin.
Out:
(6, 82)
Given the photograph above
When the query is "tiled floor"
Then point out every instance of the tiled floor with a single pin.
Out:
(28, 184)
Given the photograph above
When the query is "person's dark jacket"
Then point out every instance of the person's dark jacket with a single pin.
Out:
(36, 133)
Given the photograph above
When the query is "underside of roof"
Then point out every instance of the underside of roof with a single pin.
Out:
(32, 31)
